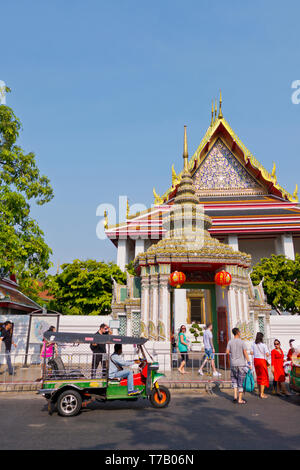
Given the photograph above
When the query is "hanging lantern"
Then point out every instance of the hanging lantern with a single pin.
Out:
(176, 279)
(223, 279)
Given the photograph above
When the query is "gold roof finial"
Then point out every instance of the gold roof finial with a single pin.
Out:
(174, 176)
(295, 193)
(215, 110)
(220, 116)
(105, 220)
(157, 198)
(185, 152)
(274, 170)
(127, 209)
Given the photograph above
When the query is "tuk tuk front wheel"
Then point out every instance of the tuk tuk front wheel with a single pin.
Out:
(69, 403)
(160, 397)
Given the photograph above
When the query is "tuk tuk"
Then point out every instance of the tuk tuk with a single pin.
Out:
(295, 376)
(70, 388)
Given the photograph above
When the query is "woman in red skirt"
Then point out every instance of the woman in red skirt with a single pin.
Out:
(277, 358)
(260, 354)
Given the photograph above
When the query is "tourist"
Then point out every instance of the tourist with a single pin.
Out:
(99, 350)
(6, 337)
(183, 348)
(291, 350)
(49, 349)
(239, 359)
(116, 370)
(277, 359)
(209, 350)
(260, 354)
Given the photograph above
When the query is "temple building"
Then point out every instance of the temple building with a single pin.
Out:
(223, 212)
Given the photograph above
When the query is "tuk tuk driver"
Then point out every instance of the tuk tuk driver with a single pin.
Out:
(116, 364)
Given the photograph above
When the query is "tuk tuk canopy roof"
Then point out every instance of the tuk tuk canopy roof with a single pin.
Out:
(88, 338)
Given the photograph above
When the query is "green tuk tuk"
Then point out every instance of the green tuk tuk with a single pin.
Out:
(295, 376)
(68, 389)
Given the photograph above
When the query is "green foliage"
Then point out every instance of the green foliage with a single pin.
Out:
(130, 268)
(196, 331)
(281, 282)
(22, 246)
(84, 287)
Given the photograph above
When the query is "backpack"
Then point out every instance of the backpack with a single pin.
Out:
(249, 383)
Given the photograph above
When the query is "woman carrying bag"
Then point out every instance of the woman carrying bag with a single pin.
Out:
(183, 348)
(260, 353)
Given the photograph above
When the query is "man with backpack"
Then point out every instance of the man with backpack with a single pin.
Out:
(99, 350)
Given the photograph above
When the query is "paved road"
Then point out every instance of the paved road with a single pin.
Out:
(192, 421)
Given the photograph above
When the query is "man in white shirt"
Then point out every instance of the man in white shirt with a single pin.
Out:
(209, 350)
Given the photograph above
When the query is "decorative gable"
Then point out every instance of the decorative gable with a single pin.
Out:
(222, 173)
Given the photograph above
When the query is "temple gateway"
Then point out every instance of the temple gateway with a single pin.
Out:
(223, 212)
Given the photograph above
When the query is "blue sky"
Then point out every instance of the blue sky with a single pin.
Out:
(103, 90)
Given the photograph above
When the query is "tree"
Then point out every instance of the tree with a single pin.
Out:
(22, 246)
(84, 287)
(281, 282)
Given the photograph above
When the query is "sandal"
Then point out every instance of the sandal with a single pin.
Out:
(243, 402)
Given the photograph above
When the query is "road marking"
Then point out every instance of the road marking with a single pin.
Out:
(36, 425)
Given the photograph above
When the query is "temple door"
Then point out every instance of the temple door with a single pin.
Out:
(222, 336)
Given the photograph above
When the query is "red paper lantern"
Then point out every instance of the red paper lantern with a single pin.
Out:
(176, 279)
(223, 279)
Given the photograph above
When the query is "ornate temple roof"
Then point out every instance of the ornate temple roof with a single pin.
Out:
(221, 154)
(237, 192)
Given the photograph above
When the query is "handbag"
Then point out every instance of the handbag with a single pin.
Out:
(249, 384)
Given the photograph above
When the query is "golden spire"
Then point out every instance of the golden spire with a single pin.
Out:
(105, 220)
(220, 107)
(127, 209)
(215, 110)
(212, 114)
(185, 152)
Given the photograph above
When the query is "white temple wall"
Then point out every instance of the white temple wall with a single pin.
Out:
(180, 308)
(284, 328)
(296, 241)
(258, 248)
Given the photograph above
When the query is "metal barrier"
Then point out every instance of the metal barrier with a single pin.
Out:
(29, 368)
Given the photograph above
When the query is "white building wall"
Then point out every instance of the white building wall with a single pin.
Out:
(258, 248)
(284, 328)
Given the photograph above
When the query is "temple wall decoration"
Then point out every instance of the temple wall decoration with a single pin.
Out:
(221, 170)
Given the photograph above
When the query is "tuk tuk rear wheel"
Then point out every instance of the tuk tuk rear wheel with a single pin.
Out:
(69, 403)
(163, 400)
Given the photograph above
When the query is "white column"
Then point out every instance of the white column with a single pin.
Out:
(232, 309)
(288, 245)
(233, 241)
(180, 308)
(145, 304)
(139, 246)
(122, 255)
(164, 307)
(154, 303)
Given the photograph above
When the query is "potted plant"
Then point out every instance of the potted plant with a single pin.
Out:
(197, 332)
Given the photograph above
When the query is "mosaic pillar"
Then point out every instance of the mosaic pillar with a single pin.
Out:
(154, 307)
(145, 307)
(164, 308)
